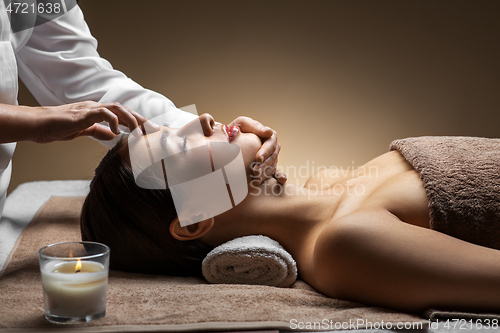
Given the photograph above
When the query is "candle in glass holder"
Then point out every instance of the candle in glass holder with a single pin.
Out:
(74, 287)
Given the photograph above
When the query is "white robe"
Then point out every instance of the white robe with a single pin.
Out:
(59, 63)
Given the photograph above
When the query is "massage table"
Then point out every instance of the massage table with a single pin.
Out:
(139, 302)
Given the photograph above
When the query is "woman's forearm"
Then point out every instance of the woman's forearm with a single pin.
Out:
(374, 258)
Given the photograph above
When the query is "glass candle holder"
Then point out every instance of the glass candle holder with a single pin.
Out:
(74, 280)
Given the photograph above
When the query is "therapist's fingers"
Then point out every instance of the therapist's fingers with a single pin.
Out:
(66, 122)
(268, 153)
(262, 171)
(113, 113)
(249, 125)
(85, 117)
(97, 115)
(96, 131)
(82, 115)
(268, 169)
(280, 177)
(267, 156)
(266, 134)
(126, 116)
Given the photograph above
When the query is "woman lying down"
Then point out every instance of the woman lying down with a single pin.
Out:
(398, 243)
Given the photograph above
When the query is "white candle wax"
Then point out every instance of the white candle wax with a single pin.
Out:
(71, 294)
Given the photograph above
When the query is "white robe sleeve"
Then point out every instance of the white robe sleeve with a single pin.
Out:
(59, 64)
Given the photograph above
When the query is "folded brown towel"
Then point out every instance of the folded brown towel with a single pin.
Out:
(461, 176)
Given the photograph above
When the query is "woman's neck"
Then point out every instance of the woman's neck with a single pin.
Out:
(288, 214)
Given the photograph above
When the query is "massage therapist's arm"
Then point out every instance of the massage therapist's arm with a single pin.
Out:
(82, 74)
(66, 44)
(65, 122)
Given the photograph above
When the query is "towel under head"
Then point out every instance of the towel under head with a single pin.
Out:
(250, 260)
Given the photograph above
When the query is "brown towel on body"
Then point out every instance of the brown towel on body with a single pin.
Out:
(461, 176)
(140, 302)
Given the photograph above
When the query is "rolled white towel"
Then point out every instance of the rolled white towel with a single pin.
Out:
(250, 260)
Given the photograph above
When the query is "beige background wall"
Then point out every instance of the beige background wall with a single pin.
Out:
(338, 80)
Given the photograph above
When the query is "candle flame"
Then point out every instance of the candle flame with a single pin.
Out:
(78, 266)
(70, 252)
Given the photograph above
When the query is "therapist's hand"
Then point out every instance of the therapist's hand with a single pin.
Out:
(66, 122)
(267, 156)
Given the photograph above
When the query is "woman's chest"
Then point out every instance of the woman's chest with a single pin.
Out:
(387, 183)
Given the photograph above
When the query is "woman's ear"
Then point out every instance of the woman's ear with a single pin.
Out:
(192, 231)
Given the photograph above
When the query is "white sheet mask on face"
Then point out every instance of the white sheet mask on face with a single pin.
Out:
(204, 181)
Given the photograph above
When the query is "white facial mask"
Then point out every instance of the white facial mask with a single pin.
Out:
(211, 181)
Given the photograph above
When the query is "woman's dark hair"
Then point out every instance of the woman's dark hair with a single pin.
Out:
(134, 223)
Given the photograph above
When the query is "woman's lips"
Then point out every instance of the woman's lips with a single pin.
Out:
(231, 132)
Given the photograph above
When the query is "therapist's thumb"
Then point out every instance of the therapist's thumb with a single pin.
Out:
(98, 132)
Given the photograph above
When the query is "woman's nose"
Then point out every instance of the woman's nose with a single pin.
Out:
(206, 121)
(207, 124)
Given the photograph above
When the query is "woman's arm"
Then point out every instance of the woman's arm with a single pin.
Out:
(374, 258)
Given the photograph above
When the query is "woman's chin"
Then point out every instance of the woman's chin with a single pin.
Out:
(249, 144)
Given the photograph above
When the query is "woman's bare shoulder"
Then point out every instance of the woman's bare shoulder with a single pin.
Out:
(331, 249)
(379, 166)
